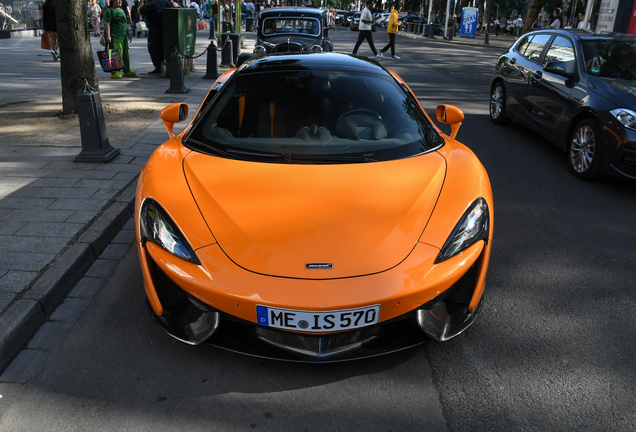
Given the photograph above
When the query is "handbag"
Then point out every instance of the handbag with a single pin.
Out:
(45, 42)
(110, 60)
(102, 40)
(202, 25)
(142, 27)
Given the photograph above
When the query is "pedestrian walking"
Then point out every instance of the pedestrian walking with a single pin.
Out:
(152, 10)
(518, 26)
(497, 26)
(392, 29)
(117, 35)
(94, 11)
(366, 20)
(50, 26)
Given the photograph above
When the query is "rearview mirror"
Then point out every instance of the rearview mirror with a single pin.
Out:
(557, 67)
(450, 115)
(172, 114)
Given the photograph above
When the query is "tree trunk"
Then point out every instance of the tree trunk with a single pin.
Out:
(533, 13)
(76, 54)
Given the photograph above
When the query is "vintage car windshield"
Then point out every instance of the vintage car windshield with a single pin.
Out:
(322, 115)
(291, 25)
(610, 58)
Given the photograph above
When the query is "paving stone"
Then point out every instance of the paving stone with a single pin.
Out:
(49, 336)
(125, 236)
(130, 225)
(16, 281)
(54, 182)
(26, 203)
(82, 216)
(101, 268)
(51, 245)
(74, 204)
(70, 311)
(114, 251)
(24, 244)
(9, 227)
(19, 322)
(25, 366)
(82, 174)
(87, 287)
(25, 261)
(38, 216)
(5, 299)
(50, 229)
(72, 192)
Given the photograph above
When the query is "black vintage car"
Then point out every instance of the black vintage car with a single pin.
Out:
(299, 29)
(576, 89)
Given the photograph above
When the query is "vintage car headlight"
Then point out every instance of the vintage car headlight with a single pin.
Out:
(472, 227)
(626, 116)
(157, 227)
(316, 49)
(259, 51)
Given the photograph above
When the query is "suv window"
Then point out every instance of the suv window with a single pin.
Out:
(561, 49)
(535, 47)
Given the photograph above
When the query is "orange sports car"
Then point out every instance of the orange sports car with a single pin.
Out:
(312, 211)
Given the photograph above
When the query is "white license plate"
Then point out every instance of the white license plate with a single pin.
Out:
(317, 321)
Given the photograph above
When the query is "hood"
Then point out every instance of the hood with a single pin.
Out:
(275, 219)
(619, 91)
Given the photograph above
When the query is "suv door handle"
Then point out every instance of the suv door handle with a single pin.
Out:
(537, 75)
(513, 60)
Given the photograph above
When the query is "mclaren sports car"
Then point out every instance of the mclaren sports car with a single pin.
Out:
(310, 210)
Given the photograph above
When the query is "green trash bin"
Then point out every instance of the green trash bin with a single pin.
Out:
(180, 31)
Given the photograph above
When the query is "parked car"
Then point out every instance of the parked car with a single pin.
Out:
(413, 20)
(312, 211)
(340, 15)
(348, 18)
(576, 89)
(382, 19)
(293, 30)
(355, 23)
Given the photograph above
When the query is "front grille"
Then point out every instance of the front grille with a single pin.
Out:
(287, 47)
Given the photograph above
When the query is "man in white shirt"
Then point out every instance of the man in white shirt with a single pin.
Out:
(518, 26)
(366, 21)
(582, 21)
(557, 19)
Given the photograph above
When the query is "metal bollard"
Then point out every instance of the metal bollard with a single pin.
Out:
(212, 71)
(177, 84)
(212, 32)
(95, 145)
(227, 53)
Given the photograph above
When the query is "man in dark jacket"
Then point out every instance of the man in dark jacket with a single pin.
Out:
(153, 11)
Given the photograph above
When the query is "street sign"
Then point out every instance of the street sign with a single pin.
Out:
(469, 22)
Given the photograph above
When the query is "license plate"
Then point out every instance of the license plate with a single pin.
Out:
(317, 321)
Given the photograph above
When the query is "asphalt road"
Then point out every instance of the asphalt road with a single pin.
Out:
(553, 350)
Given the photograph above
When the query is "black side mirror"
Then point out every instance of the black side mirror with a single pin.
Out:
(557, 67)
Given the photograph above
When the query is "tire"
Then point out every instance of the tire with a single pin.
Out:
(498, 104)
(585, 150)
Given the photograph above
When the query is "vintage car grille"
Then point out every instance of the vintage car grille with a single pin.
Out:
(287, 47)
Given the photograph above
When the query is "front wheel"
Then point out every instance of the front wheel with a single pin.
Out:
(498, 104)
(585, 150)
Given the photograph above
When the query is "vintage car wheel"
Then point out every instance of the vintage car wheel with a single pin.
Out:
(585, 150)
(498, 104)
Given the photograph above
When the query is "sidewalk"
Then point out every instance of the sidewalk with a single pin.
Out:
(58, 216)
(501, 41)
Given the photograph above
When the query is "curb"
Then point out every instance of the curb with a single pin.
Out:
(31, 311)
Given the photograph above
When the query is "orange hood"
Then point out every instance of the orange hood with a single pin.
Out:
(275, 218)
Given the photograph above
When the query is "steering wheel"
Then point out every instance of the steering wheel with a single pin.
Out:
(364, 112)
(360, 111)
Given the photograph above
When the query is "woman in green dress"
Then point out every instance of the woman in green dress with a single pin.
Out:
(117, 35)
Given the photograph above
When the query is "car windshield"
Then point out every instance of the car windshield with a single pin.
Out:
(610, 58)
(294, 25)
(323, 116)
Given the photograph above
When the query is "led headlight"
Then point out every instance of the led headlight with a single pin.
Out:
(626, 116)
(472, 227)
(157, 227)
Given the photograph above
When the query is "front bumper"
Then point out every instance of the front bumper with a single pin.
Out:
(193, 321)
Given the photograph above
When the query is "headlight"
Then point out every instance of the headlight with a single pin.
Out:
(157, 227)
(259, 51)
(626, 116)
(472, 227)
(316, 49)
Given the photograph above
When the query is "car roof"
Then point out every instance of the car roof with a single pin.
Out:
(312, 61)
(292, 11)
(587, 35)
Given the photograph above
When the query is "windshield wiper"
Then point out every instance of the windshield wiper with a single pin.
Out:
(326, 158)
(212, 149)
